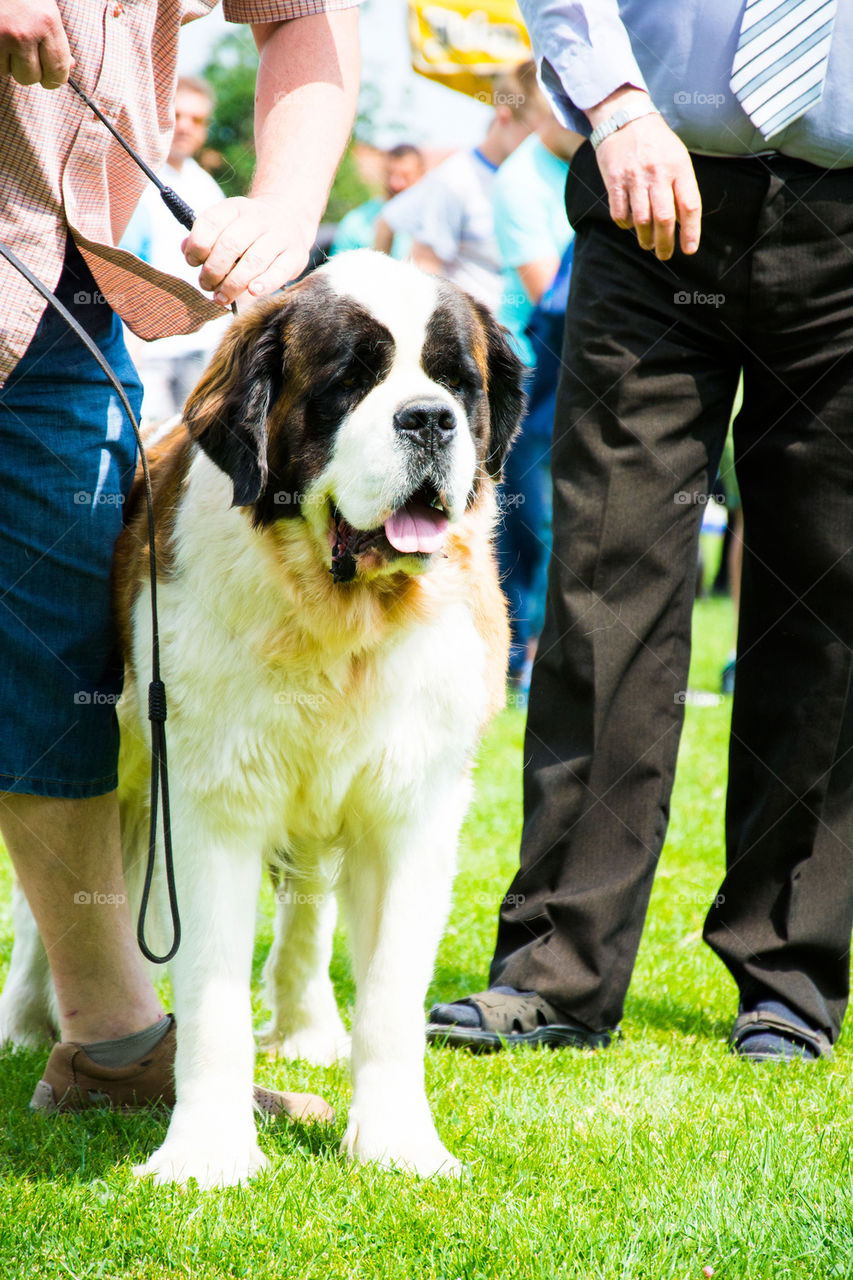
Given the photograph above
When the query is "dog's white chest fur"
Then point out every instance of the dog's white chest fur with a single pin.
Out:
(292, 736)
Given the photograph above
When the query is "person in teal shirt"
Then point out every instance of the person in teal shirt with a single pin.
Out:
(533, 235)
(404, 166)
(531, 226)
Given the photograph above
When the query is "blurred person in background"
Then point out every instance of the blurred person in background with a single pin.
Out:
(449, 213)
(403, 166)
(170, 367)
(732, 557)
(533, 236)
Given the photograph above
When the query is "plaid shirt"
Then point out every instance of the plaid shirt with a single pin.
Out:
(60, 166)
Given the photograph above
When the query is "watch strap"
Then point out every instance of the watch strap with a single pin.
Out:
(619, 119)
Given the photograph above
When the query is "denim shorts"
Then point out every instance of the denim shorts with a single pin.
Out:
(67, 459)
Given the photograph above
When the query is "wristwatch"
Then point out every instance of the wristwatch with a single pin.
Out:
(619, 118)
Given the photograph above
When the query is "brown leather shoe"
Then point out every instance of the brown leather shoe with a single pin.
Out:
(73, 1082)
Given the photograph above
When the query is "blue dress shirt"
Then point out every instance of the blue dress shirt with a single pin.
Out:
(681, 52)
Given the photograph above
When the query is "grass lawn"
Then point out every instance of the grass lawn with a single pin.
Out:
(659, 1157)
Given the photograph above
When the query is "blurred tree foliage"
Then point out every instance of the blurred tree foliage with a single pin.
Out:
(231, 72)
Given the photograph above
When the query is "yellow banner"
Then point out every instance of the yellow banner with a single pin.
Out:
(461, 43)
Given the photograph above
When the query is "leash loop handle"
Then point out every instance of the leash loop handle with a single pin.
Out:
(159, 786)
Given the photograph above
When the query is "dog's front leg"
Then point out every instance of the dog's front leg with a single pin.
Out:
(212, 1135)
(397, 896)
(29, 1016)
(305, 1022)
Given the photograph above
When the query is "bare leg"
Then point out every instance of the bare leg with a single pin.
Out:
(67, 856)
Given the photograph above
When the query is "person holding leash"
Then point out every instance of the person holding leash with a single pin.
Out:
(733, 120)
(67, 454)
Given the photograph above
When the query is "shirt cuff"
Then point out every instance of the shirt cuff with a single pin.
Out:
(583, 54)
(280, 10)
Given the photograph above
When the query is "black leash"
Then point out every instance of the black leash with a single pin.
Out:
(176, 206)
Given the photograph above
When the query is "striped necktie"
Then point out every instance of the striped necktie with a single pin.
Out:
(781, 57)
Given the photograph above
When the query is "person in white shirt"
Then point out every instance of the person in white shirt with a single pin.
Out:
(170, 367)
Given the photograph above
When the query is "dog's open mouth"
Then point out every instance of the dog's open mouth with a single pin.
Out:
(416, 528)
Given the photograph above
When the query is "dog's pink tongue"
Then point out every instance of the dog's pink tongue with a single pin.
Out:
(416, 527)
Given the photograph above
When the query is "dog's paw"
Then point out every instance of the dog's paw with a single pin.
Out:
(410, 1148)
(210, 1163)
(321, 1046)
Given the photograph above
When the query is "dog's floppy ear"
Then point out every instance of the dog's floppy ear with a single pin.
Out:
(227, 412)
(506, 390)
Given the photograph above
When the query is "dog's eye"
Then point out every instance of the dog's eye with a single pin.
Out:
(354, 379)
(459, 380)
(452, 379)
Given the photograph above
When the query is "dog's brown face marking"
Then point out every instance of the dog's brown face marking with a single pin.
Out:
(334, 354)
(454, 356)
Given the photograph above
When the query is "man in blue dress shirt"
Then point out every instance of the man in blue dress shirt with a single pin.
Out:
(713, 214)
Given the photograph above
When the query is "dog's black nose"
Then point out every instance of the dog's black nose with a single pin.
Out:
(430, 424)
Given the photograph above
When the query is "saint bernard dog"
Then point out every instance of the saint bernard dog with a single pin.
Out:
(333, 640)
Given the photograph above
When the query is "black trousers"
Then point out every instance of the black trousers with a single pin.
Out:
(652, 356)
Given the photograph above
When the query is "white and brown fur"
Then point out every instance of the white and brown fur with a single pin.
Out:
(323, 729)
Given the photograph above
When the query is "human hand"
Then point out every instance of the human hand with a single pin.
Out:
(33, 45)
(649, 179)
(247, 243)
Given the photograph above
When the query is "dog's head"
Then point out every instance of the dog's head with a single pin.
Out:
(369, 400)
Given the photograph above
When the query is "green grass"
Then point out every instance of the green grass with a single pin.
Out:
(653, 1159)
